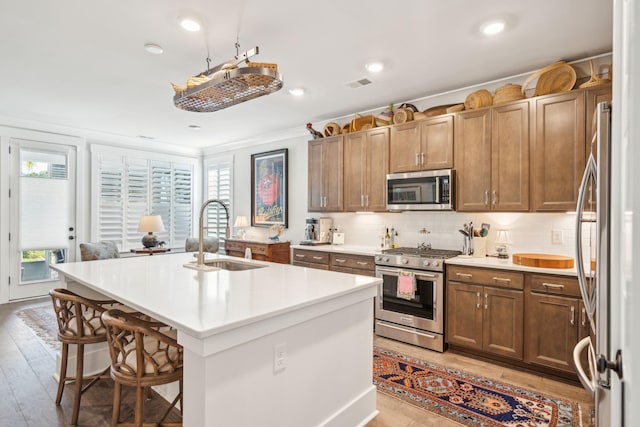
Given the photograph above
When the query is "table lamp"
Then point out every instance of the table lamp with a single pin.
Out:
(502, 240)
(150, 223)
(241, 222)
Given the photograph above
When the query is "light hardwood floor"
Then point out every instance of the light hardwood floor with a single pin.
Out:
(28, 390)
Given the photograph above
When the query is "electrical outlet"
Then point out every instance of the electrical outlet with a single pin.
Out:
(556, 237)
(279, 357)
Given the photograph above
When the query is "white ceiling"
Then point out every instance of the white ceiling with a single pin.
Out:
(80, 65)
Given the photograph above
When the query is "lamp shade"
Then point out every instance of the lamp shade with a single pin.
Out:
(150, 223)
(502, 237)
(241, 221)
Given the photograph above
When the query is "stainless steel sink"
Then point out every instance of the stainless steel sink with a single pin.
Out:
(223, 264)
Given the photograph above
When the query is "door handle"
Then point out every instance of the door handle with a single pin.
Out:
(478, 300)
(583, 317)
(573, 315)
(486, 301)
(465, 275)
(486, 197)
(417, 159)
(421, 159)
(494, 197)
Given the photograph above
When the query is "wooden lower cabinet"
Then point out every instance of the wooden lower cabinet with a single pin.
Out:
(263, 251)
(344, 263)
(311, 259)
(485, 319)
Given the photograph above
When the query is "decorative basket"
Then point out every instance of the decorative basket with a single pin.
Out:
(557, 77)
(331, 129)
(455, 108)
(403, 115)
(346, 128)
(594, 80)
(478, 99)
(437, 110)
(359, 123)
(508, 92)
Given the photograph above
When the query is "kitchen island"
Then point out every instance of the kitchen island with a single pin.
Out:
(273, 346)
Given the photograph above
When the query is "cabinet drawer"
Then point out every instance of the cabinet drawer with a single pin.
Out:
(360, 262)
(257, 249)
(486, 276)
(315, 257)
(559, 285)
(233, 247)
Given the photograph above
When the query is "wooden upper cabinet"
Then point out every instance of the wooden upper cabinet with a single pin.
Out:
(366, 166)
(594, 96)
(557, 151)
(325, 174)
(473, 160)
(422, 145)
(510, 157)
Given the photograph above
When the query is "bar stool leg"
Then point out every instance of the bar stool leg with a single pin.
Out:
(139, 406)
(115, 417)
(78, 384)
(63, 372)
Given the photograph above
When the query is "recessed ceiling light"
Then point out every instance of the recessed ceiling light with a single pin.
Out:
(194, 127)
(297, 91)
(189, 24)
(374, 67)
(492, 28)
(153, 48)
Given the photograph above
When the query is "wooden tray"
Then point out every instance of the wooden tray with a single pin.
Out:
(543, 260)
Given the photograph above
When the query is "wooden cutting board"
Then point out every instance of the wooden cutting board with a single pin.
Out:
(543, 260)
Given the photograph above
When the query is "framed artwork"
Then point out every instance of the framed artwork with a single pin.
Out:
(269, 188)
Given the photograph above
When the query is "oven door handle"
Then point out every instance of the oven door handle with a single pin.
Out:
(386, 325)
(430, 276)
(394, 272)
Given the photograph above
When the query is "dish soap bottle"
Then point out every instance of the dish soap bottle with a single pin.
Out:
(392, 237)
(387, 239)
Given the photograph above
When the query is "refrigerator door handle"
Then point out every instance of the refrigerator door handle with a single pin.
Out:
(588, 295)
(589, 383)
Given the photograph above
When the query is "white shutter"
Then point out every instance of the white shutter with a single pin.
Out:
(182, 207)
(219, 179)
(137, 191)
(161, 196)
(111, 200)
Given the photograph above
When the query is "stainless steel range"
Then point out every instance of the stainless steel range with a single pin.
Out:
(410, 304)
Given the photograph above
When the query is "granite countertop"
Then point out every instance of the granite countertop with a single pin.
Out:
(507, 264)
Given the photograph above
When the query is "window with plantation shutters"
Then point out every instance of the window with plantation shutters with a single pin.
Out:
(219, 179)
(129, 187)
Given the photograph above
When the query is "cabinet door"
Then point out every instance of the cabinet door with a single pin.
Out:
(333, 170)
(354, 171)
(436, 136)
(503, 322)
(594, 96)
(551, 329)
(404, 147)
(316, 173)
(377, 167)
(557, 151)
(464, 315)
(510, 157)
(473, 160)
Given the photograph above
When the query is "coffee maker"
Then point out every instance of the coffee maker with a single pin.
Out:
(317, 231)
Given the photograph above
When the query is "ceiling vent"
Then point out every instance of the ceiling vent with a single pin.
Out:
(359, 83)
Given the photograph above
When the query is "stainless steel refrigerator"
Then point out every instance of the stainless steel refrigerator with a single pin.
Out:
(593, 249)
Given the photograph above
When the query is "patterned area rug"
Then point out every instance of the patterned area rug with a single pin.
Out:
(42, 321)
(467, 399)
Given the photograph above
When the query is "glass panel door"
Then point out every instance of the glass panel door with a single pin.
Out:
(42, 215)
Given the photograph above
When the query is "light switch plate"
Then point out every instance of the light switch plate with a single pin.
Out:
(557, 237)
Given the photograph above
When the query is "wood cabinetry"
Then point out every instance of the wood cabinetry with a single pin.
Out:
(325, 175)
(422, 145)
(557, 151)
(485, 310)
(492, 158)
(345, 263)
(554, 320)
(366, 164)
(263, 251)
(593, 97)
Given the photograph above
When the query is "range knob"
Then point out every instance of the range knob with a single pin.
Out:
(426, 263)
(435, 263)
(404, 261)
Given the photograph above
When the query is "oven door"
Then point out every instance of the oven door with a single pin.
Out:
(423, 310)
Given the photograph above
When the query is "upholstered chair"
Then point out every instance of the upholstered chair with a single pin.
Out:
(210, 244)
(144, 353)
(79, 323)
(98, 250)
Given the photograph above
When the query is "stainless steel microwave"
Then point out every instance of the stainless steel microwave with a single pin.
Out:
(421, 191)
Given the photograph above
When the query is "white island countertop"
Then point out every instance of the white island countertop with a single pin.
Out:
(206, 303)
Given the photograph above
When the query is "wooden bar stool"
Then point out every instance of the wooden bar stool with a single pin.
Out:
(79, 323)
(143, 354)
